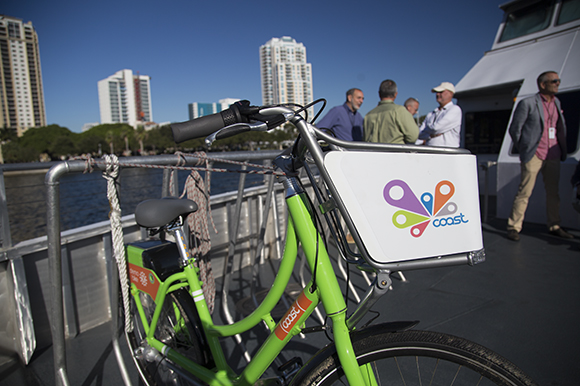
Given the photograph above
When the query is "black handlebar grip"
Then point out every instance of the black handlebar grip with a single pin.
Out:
(206, 125)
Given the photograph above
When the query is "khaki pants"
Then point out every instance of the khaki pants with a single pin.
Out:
(529, 172)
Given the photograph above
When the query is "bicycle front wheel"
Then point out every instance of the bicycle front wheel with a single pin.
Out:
(416, 358)
(178, 328)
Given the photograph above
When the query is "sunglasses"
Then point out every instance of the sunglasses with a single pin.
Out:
(554, 81)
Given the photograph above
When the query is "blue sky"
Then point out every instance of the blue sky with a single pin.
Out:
(202, 51)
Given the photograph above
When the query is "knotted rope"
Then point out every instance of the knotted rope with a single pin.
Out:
(200, 241)
(111, 174)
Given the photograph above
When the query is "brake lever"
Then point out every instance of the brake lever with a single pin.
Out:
(234, 129)
(261, 123)
(271, 121)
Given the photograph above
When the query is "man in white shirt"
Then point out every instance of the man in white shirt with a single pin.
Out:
(442, 127)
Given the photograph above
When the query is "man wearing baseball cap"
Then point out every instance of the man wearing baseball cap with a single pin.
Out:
(442, 126)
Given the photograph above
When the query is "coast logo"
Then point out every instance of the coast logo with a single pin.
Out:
(418, 213)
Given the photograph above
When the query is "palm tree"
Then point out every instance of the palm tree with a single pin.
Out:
(125, 134)
(110, 137)
(141, 135)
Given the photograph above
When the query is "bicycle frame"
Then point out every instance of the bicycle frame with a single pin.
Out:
(323, 287)
(324, 290)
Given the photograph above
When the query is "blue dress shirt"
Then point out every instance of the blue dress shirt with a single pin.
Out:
(345, 124)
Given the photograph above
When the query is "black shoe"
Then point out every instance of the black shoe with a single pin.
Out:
(561, 233)
(513, 235)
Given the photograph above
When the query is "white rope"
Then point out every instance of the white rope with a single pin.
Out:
(110, 174)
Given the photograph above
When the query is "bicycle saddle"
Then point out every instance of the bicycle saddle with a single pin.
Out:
(158, 212)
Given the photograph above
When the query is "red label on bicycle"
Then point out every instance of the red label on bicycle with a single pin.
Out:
(144, 280)
(292, 316)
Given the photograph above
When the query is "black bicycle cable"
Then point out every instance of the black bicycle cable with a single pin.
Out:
(317, 227)
(337, 233)
(333, 223)
(305, 108)
(319, 110)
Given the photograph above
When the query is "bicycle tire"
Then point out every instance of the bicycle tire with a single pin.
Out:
(178, 327)
(415, 358)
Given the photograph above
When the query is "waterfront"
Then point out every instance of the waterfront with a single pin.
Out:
(83, 197)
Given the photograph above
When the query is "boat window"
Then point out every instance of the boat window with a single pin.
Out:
(527, 20)
(569, 11)
(484, 130)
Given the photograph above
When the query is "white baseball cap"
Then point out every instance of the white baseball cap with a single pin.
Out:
(444, 86)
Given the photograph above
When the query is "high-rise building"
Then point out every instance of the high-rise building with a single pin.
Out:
(21, 93)
(125, 98)
(285, 75)
(197, 109)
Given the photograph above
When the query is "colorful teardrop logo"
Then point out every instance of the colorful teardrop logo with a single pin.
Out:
(417, 213)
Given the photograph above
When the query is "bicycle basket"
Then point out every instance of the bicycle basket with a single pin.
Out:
(409, 206)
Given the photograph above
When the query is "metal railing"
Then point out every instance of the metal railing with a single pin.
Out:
(486, 166)
(53, 234)
(64, 318)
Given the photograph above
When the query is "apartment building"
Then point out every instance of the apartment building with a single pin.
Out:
(21, 91)
(286, 77)
(125, 98)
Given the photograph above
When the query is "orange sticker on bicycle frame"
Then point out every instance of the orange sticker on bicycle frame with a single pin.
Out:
(144, 280)
(292, 316)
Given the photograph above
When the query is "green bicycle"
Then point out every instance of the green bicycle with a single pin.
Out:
(174, 339)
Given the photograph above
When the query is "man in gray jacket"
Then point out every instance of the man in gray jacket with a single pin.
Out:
(538, 131)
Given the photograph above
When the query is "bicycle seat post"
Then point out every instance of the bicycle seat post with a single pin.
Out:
(177, 231)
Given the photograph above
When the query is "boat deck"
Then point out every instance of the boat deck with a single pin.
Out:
(523, 302)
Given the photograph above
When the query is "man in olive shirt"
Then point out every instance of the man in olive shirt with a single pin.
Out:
(388, 122)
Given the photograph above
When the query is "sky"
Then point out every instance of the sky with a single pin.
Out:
(203, 51)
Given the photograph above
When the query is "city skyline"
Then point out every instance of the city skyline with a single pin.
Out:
(193, 53)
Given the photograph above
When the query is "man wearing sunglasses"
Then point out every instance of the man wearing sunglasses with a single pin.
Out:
(538, 131)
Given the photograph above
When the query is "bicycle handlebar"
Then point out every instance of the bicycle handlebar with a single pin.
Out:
(238, 118)
(209, 124)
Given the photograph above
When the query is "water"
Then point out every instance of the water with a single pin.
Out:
(83, 197)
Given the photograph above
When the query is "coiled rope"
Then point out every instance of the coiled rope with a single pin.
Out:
(200, 241)
(111, 174)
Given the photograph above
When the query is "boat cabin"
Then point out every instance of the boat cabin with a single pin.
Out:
(533, 37)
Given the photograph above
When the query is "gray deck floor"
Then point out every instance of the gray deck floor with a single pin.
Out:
(523, 302)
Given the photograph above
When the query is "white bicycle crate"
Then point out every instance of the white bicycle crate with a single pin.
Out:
(409, 206)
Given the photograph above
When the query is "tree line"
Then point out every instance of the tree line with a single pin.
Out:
(54, 142)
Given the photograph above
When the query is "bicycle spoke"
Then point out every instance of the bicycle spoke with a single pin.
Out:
(376, 373)
(456, 374)
(400, 372)
(418, 370)
(434, 371)
(174, 329)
